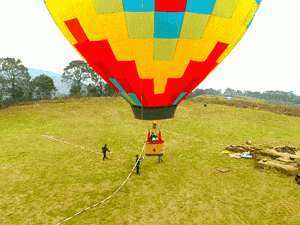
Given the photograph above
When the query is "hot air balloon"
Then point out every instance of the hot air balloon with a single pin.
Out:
(153, 52)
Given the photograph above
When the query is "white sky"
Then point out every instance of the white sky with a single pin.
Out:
(267, 58)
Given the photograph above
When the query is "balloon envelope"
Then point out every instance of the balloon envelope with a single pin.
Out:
(153, 52)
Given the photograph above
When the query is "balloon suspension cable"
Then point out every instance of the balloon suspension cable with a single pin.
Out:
(86, 209)
(142, 107)
(160, 125)
(142, 110)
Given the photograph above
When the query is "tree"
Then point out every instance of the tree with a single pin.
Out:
(230, 92)
(211, 91)
(247, 93)
(43, 87)
(14, 80)
(78, 73)
(196, 92)
(208, 91)
(75, 90)
(29, 89)
(1, 96)
(109, 91)
(256, 94)
(239, 93)
(96, 87)
(93, 90)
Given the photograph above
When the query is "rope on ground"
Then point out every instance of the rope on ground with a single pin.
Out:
(53, 138)
(220, 143)
(193, 138)
(77, 146)
(268, 143)
(107, 197)
(65, 142)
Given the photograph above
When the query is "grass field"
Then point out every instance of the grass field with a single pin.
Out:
(45, 180)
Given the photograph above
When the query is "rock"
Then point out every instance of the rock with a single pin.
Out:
(277, 158)
(223, 170)
(273, 165)
(288, 149)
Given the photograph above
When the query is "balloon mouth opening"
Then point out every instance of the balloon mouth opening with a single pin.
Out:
(154, 113)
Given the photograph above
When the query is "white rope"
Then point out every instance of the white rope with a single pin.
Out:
(65, 142)
(96, 204)
(220, 143)
(108, 196)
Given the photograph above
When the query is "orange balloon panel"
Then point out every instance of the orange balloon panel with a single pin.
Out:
(153, 52)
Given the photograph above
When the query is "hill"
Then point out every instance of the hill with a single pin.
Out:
(62, 88)
(248, 102)
(52, 167)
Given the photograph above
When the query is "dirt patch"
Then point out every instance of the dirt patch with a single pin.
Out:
(284, 159)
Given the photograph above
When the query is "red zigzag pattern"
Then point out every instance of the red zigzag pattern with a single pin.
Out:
(101, 58)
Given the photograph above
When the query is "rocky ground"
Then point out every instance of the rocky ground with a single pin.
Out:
(284, 159)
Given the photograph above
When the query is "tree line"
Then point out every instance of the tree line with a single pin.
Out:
(273, 96)
(16, 84)
(85, 81)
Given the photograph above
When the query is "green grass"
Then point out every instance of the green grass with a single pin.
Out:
(43, 181)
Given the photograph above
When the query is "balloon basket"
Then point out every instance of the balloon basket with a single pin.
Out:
(154, 149)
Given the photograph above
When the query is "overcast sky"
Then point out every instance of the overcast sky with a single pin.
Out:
(267, 58)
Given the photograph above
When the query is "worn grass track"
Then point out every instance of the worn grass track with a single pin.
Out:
(44, 181)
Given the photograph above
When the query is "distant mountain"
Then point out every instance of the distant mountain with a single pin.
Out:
(62, 88)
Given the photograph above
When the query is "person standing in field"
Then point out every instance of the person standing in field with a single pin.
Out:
(104, 149)
(297, 177)
(160, 158)
(153, 137)
(138, 161)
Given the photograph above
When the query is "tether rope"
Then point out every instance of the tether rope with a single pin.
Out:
(96, 204)
(65, 142)
(78, 213)
(220, 143)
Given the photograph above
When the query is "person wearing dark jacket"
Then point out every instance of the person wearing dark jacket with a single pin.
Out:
(138, 161)
(297, 177)
(160, 158)
(104, 149)
(153, 138)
